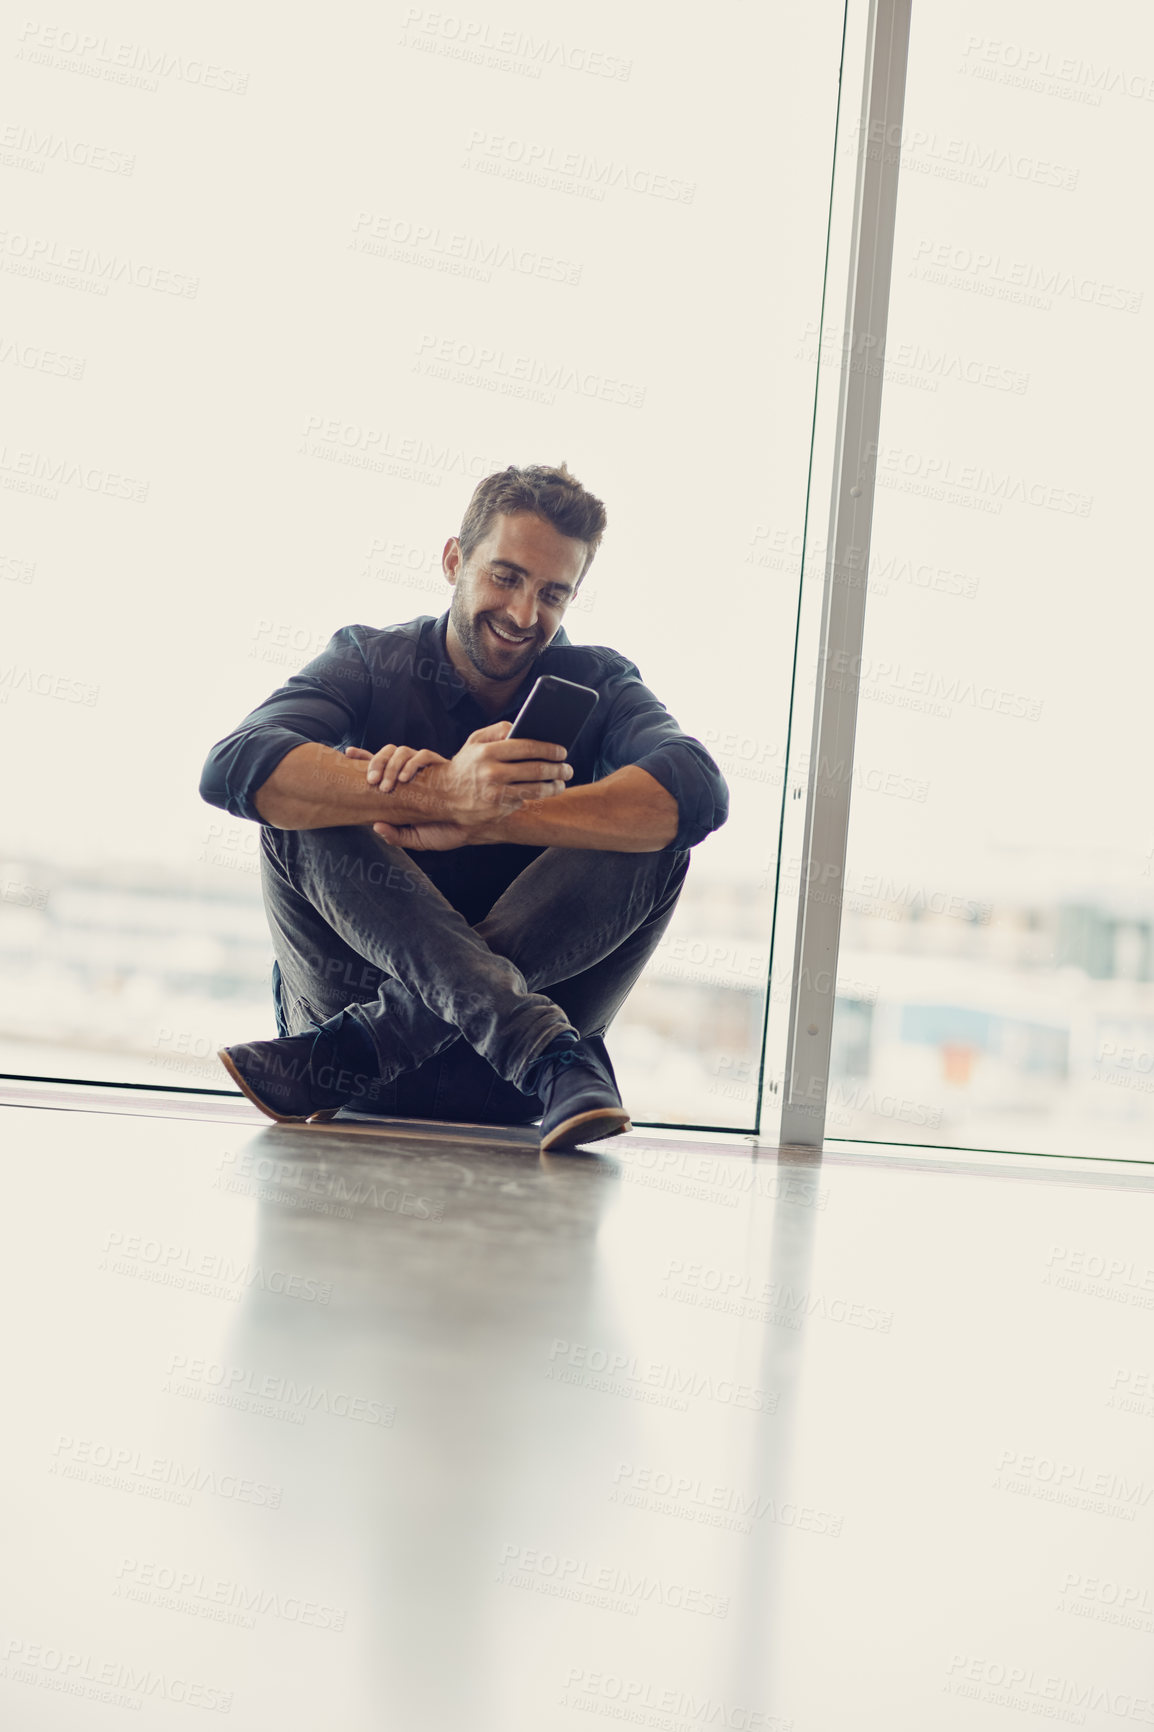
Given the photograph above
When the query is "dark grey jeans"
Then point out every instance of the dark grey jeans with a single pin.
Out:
(456, 1012)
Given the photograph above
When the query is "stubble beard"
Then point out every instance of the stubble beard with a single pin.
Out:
(475, 641)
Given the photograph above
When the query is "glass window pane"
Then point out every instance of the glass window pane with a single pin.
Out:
(261, 360)
(999, 908)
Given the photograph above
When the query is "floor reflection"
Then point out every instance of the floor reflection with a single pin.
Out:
(322, 1427)
(452, 1275)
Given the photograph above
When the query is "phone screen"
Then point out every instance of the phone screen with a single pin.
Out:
(555, 711)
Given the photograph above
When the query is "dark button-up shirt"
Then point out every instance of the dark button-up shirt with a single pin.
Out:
(370, 687)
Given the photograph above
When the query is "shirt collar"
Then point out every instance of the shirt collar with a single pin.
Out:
(449, 682)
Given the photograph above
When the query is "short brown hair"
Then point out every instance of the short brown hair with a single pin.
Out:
(553, 494)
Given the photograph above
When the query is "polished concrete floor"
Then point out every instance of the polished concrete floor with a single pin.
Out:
(339, 1427)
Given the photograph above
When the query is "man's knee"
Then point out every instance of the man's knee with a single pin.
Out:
(621, 869)
(677, 863)
(582, 883)
(660, 875)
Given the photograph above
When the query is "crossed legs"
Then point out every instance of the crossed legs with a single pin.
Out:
(455, 1012)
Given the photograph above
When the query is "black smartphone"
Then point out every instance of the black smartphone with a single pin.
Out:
(555, 711)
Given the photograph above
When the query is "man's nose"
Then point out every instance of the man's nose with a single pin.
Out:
(523, 611)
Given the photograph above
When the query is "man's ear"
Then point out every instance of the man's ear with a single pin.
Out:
(451, 559)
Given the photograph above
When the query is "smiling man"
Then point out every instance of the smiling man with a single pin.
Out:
(457, 916)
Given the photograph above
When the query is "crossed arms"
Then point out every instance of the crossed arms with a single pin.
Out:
(492, 790)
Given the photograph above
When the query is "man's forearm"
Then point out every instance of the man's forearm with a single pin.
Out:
(628, 812)
(316, 787)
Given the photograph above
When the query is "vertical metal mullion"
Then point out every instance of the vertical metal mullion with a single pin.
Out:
(830, 767)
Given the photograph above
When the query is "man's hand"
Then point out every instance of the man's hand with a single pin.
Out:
(428, 836)
(490, 777)
(393, 764)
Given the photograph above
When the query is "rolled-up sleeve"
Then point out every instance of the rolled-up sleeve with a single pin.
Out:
(639, 730)
(327, 701)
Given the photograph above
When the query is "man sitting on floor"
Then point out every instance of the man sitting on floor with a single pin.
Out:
(457, 917)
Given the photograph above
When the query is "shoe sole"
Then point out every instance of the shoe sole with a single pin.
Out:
(270, 1112)
(587, 1127)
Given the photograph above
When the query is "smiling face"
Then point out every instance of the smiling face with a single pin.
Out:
(508, 601)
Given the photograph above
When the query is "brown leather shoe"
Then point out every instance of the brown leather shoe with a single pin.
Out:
(292, 1079)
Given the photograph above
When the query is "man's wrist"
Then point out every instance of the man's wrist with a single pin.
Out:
(424, 799)
(492, 829)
